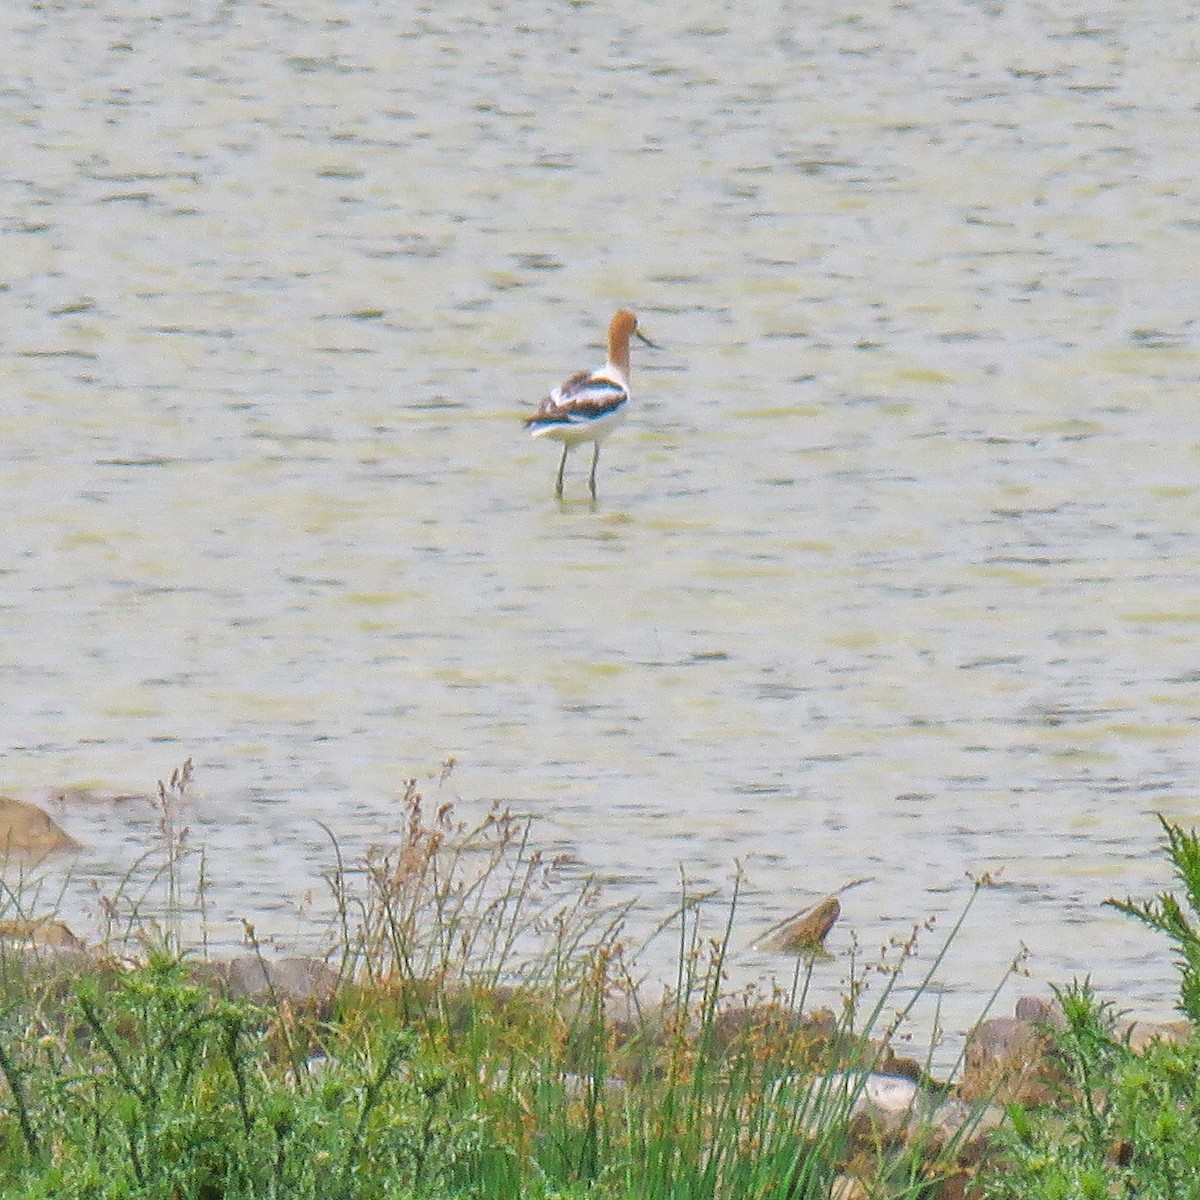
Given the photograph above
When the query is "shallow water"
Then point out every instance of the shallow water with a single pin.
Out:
(893, 568)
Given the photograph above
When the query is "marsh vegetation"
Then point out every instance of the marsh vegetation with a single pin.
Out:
(490, 1036)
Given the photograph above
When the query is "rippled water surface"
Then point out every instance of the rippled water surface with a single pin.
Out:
(894, 567)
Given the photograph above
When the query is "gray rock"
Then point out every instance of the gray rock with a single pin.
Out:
(935, 1126)
(1037, 1008)
(1009, 1059)
(302, 981)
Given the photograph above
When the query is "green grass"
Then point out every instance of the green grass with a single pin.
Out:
(149, 1086)
(488, 1041)
(144, 1083)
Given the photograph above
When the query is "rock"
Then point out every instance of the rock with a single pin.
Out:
(27, 831)
(885, 1061)
(878, 1105)
(42, 955)
(955, 1186)
(210, 973)
(803, 933)
(1014, 1058)
(40, 931)
(754, 1022)
(936, 1125)
(1035, 1008)
(1010, 1059)
(73, 796)
(45, 971)
(296, 981)
(894, 1110)
(1140, 1034)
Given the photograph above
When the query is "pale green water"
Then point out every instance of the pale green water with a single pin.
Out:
(894, 567)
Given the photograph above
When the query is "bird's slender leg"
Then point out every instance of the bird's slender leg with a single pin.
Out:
(595, 460)
(562, 462)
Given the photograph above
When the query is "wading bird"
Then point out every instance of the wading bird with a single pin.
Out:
(590, 405)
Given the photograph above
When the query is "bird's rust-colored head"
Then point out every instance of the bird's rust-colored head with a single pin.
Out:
(621, 328)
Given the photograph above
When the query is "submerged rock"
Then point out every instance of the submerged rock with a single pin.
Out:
(803, 933)
(70, 795)
(27, 831)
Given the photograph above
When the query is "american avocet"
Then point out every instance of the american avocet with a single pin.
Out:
(590, 405)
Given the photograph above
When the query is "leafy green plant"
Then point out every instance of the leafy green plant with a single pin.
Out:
(157, 1088)
(1128, 1127)
(1166, 915)
(1128, 1124)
